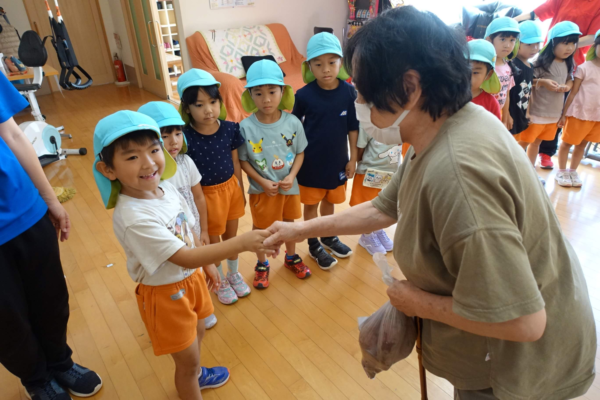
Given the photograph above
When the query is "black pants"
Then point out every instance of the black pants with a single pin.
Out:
(34, 305)
(550, 147)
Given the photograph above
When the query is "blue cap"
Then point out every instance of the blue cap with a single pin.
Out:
(323, 43)
(562, 29)
(165, 115)
(504, 24)
(531, 32)
(110, 129)
(197, 77)
(591, 54)
(266, 72)
(483, 51)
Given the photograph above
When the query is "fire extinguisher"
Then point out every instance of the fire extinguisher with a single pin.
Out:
(120, 69)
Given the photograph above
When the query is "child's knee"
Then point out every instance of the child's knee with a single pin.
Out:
(189, 366)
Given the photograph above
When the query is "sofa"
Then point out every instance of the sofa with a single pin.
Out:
(232, 87)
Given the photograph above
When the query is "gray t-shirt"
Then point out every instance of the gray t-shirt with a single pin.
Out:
(272, 148)
(383, 157)
(486, 234)
(545, 102)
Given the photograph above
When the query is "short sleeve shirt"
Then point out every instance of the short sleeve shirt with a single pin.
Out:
(328, 116)
(486, 234)
(272, 148)
(212, 153)
(186, 177)
(151, 231)
(546, 103)
(379, 156)
(21, 205)
(520, 95)
(586, 105)
(488, 102)
(507, 82)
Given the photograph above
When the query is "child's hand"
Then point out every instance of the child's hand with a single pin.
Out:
(213, 278)
(287, 183)
(563, 88)
(204, 238)
(253, 241)
(270, 187)
(562, 121)
(509, 123)
(549, 84)
(350, 169)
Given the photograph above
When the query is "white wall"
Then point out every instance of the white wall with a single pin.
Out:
(114, 22)
(299, 17)
(15, 9)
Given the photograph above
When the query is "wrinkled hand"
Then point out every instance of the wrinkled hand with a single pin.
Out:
(287, 183)
(204, 238)
(213, 278)
(271, 188)
(550, 84)
(562, 121)
(253, 241)
(350, 169)
(60, 219)
(406, 297)
(282, 232)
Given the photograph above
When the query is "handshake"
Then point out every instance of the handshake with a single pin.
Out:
(269, 240)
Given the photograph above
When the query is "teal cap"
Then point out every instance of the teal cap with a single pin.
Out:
(531, 32)
(112, 128)
(197, 77)
(266, 72)
(165, 115)
(562, 29)
(323, 43)
(591, 54)
(483, 51)
(504, 24)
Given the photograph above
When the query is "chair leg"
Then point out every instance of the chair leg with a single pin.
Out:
(35, 108)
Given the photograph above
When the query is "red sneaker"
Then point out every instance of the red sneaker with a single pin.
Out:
(261, 279)
(546, 161)
(297, 266)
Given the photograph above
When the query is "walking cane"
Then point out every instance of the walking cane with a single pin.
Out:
(422, 374)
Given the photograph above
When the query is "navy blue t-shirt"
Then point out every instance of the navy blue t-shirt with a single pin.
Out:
(327, 116)
(212, 153)
(21, 205)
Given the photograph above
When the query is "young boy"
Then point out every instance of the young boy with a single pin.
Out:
(520, 94)
(271, 156)
(377, 162)
(503, 33)
(326, 107)
(484, 80)
(187, 178)
(153, 223)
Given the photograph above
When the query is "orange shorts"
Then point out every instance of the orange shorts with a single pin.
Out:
(539, 131)
(405, 147)
(224, 202)
(517, 137)
(577, 130)
(361, 194)
(311, 196)
(171, 312)
(266, 209)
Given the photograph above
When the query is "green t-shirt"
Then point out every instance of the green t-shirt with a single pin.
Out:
(272, 148)
(383, 157)
(475, 223)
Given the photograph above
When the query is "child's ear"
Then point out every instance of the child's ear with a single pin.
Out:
(489, 75)
(105, 170)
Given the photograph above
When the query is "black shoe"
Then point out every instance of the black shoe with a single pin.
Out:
(50, 391)
(338, 248)
(323, 258)
(80, 381)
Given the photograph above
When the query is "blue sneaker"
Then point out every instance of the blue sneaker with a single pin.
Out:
(51, 390)
(213, 377)
(80, 381)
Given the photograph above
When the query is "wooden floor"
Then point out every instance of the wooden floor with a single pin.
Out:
(297, 339)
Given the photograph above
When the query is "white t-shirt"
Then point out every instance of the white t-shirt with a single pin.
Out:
(151, 231)
(187, 175)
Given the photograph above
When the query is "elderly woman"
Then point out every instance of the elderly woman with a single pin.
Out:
(504, 301)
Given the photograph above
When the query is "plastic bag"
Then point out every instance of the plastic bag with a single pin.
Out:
(388, 335)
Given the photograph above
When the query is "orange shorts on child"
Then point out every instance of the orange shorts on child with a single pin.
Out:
(266, 209)
(171, 312)
(224, 202)
(577, 130)
(361, 194)
(311, 196)
(539, 131)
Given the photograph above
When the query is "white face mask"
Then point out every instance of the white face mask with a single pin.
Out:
(389, 135)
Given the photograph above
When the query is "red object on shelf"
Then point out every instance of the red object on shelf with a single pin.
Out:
(120, 69)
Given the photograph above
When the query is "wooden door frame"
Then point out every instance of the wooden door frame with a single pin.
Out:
(132, 42)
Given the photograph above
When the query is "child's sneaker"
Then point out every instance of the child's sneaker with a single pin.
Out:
(50, 391)
(371, 243)
(563, 178)
(338, 248)
(575, 180)
(214, 377)
(237, 283)
(386, 242)
(210, 321)
(79, 380)
(297, 267)
(226, 294)
(546, 161)
(261, 277)
(323, 258)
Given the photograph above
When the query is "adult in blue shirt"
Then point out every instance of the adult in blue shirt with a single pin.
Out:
(34, 302)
